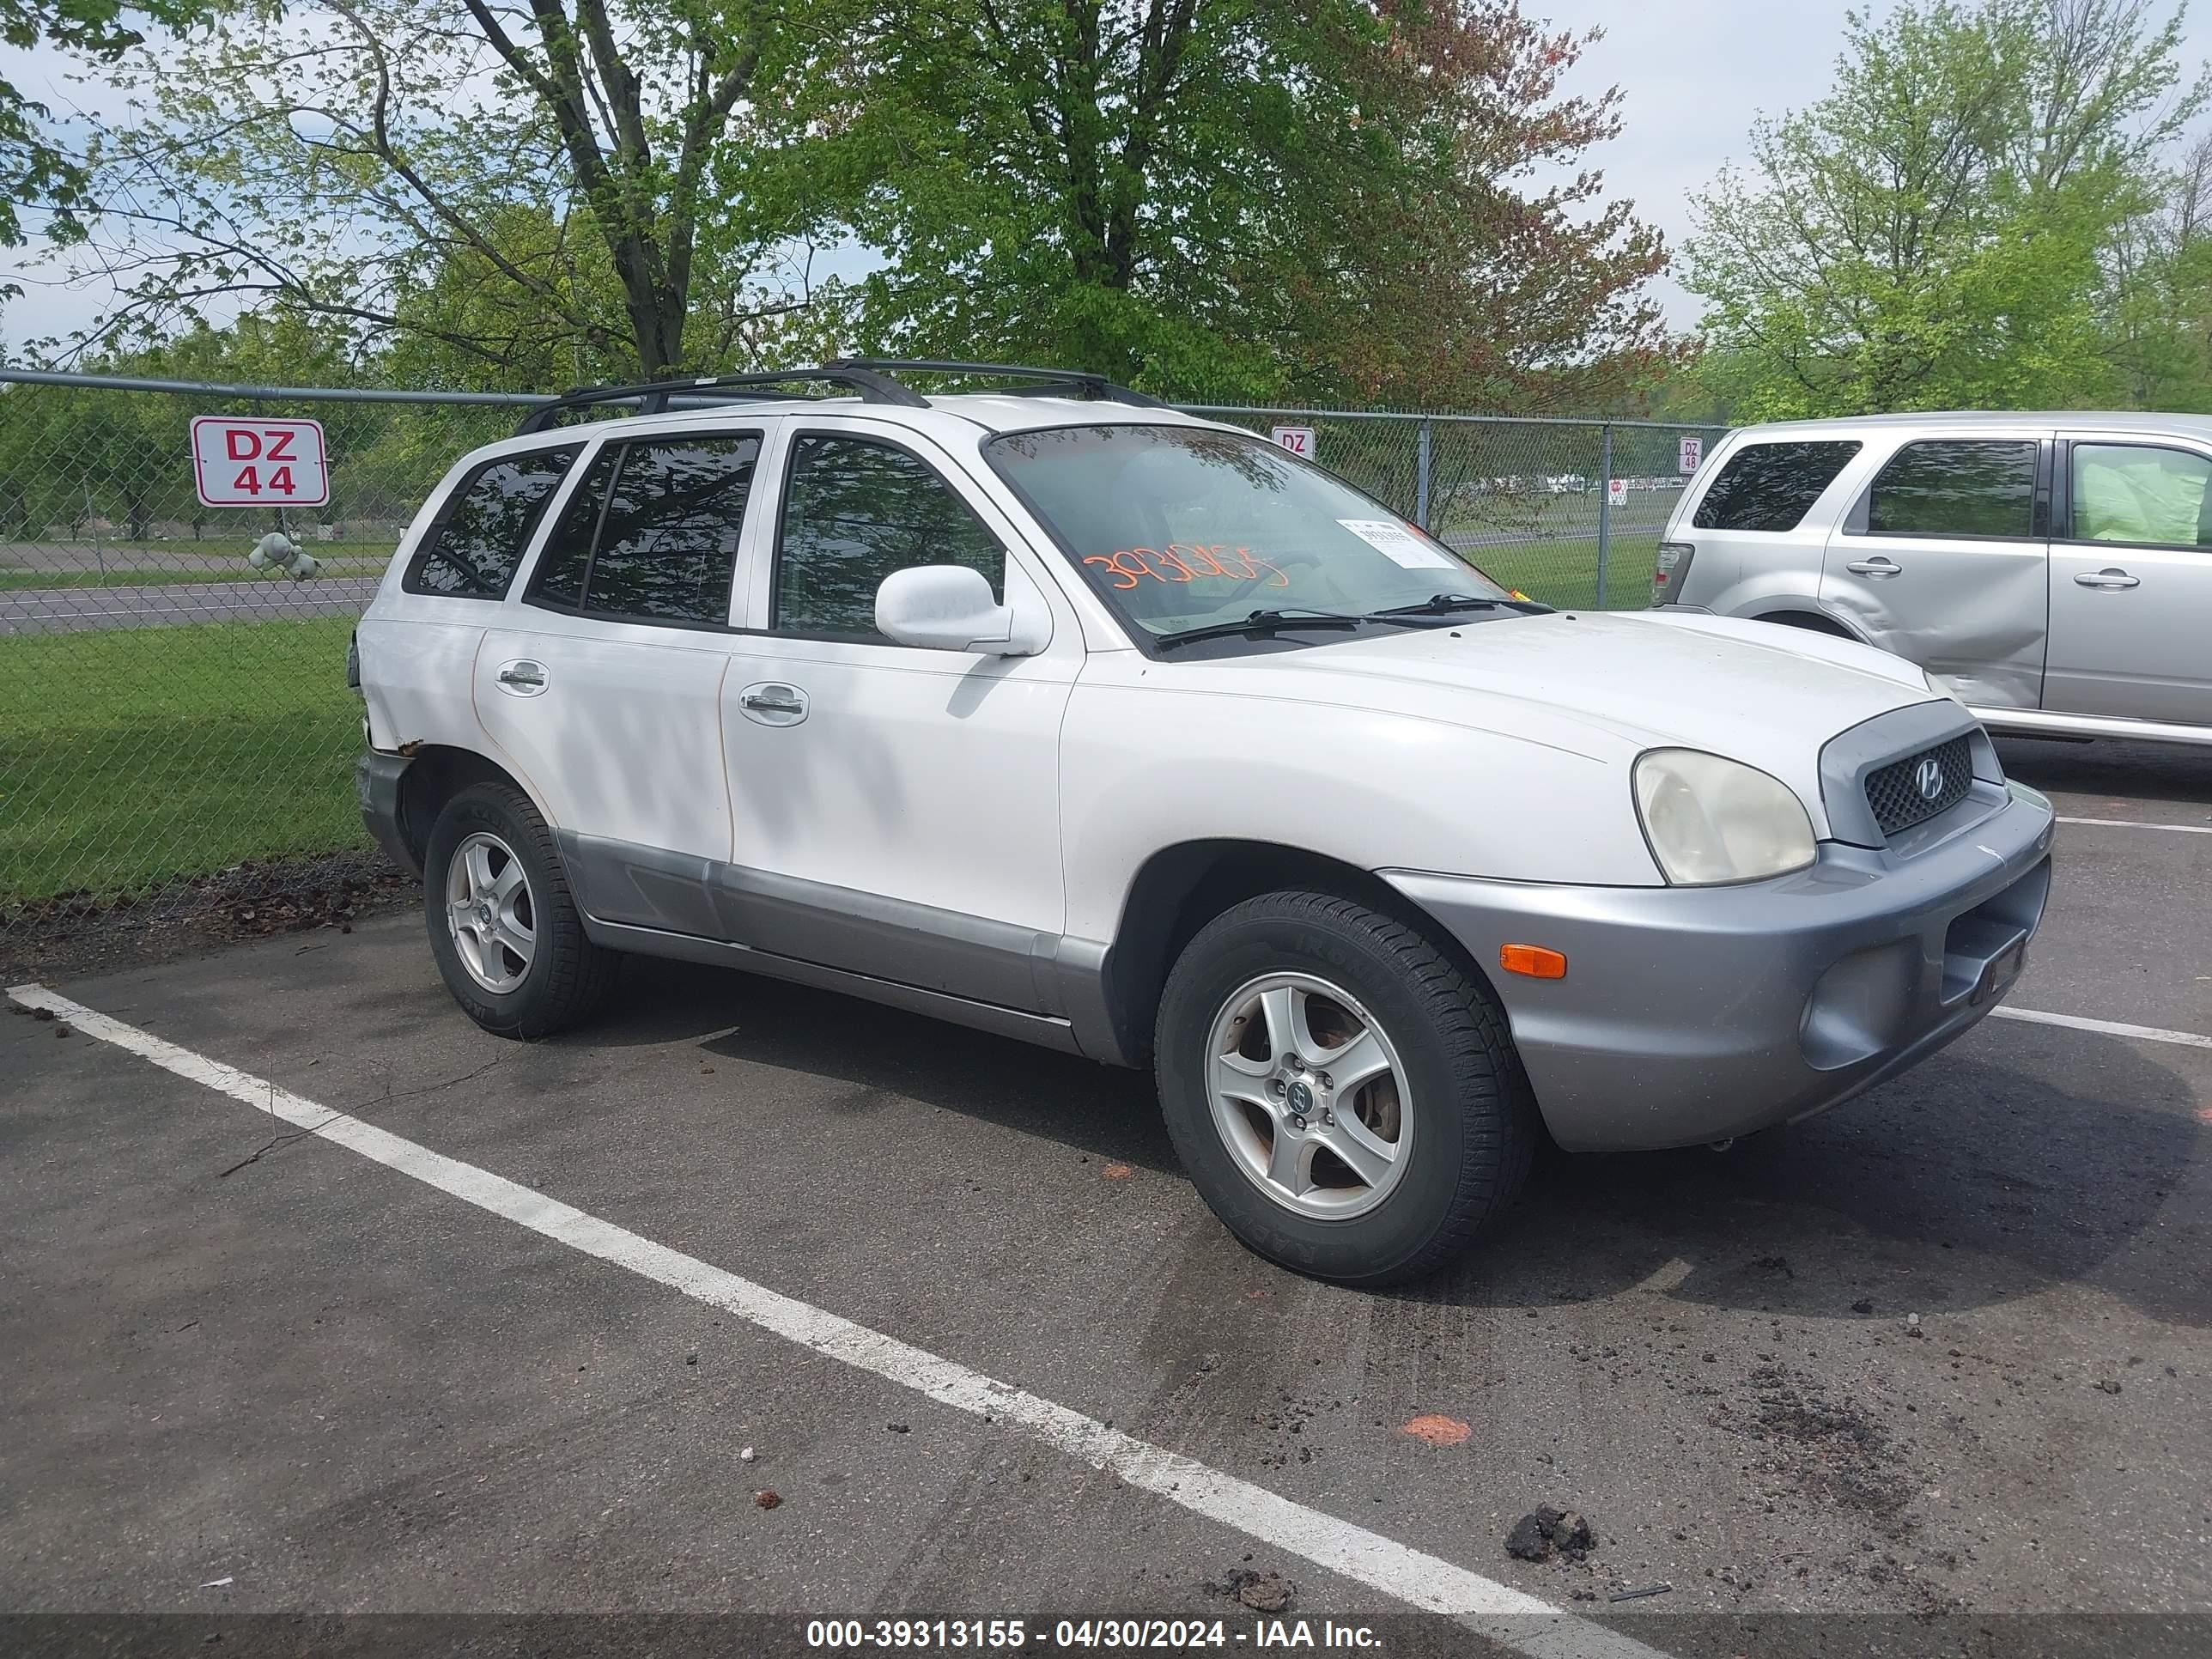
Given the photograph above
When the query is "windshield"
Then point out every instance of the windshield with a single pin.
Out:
(1185, 527)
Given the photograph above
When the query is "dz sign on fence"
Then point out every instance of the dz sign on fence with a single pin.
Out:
(1298, 440)
(238, 461)
(1616, 492)
(1693, 451)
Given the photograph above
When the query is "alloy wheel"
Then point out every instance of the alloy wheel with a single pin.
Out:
(1309, 1096)
(490, 907)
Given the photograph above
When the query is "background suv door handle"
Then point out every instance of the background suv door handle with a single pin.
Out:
(771, 702)
(522, 678)
(1877, 567)
(2107, 577)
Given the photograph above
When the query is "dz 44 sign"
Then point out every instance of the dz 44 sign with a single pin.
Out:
(240, 462)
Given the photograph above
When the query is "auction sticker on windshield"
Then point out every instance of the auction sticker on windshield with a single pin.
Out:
(1398, 544)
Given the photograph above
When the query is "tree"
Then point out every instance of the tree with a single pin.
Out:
(1234, 196)
(1237, 196)
(507, 186)
(34, 169)
(2160, 294)
(1933, 233)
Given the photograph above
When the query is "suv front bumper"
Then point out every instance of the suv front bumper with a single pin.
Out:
(1692, 1014)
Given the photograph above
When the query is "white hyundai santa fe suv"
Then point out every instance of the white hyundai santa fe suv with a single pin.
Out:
(1057, 713)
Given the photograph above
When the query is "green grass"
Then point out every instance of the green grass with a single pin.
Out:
(132, 757)
(1564, 573)
(234, 570)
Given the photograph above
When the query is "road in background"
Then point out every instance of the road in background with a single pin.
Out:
(73, 609)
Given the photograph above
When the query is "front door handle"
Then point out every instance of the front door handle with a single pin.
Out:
(1877, 567)
(522, 677)
(771, 702)
(2107, 578)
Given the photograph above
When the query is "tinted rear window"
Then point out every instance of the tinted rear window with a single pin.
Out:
(1956, 487)
(1771, 486)
(472, 550)
(651, 534)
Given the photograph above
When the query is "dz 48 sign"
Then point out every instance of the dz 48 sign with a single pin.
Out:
(240, 462)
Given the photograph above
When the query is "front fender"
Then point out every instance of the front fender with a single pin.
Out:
(1145, 767)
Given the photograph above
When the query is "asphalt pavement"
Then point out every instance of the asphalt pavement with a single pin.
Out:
(1937, 1363)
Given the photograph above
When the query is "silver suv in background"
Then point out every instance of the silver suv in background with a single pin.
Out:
(2054, 572)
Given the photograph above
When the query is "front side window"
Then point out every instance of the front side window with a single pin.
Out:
(1185, 527)
(855, 510)
(652, 533)
(1771, 486)
(1956, 487)
(472, 551)
(2137, 493)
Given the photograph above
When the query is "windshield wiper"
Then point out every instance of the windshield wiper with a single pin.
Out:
(1440, 604)
(1260, 621)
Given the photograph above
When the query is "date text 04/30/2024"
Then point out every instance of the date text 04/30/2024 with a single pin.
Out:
(1008, 1635)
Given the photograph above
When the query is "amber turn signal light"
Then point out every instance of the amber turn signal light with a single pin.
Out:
(1534, 960)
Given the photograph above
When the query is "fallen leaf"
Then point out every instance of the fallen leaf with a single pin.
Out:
(1116, 1172)
(1437, 1431)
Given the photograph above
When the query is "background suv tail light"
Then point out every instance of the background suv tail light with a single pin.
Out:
(1673, 570)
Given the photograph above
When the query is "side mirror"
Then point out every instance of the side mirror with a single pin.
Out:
(948, 607)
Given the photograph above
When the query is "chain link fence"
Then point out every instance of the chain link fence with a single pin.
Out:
(176, 735)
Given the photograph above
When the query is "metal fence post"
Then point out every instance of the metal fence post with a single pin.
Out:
(1421, 476)
(1604, 507)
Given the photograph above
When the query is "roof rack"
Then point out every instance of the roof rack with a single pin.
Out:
(654, 396)
(1080, 382)
(873, 378)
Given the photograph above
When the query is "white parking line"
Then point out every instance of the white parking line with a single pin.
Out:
(2109, 1027)
(2137, 823)
(1483, 1606)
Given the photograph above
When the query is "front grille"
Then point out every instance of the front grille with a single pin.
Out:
(1896, 793)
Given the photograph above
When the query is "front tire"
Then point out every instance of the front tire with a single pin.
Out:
(504, 927)
(1346, 1097)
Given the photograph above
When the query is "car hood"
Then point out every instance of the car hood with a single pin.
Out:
(1611, 685)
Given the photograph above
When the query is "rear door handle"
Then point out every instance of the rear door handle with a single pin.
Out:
(522, 677)
(1876, 567)
(2107, 578)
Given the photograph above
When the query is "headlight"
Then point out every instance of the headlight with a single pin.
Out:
(1710, 820)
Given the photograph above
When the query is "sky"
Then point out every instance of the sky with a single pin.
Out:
(1693, 73)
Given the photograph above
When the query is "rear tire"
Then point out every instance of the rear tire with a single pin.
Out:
(1409, 1163)
(504, 927)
